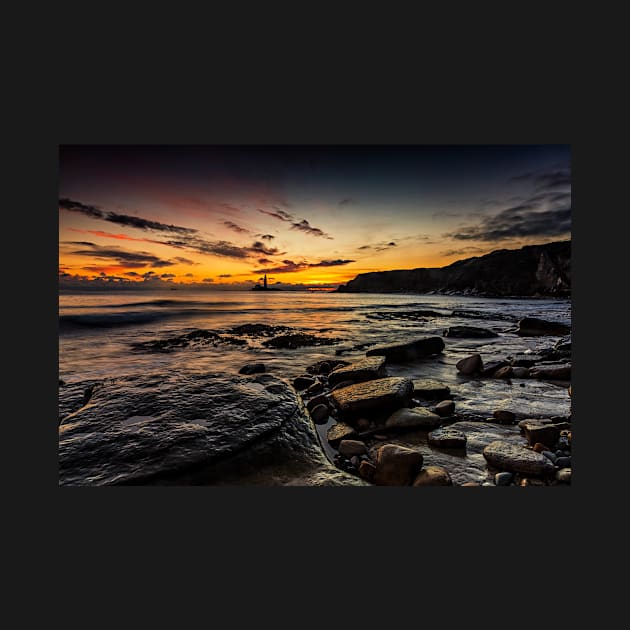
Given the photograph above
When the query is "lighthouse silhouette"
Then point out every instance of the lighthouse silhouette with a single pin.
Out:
(265, 282)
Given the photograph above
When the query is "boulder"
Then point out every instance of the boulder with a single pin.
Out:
(520, 372)
(428, 389)
(504, 416)
(340, 431)
(409, 351)
(367, 470)
(534, 327)
(317, 400)
(544, 433)
(364, 370)
(252, 368)
(303, 382)
(447, 438)
(445, 408)
(491, 367)
(380, 395)
(320, 414)
(416, 418)
(315, 388)
(517, 459)
(350, 448)
(469, 332)
(551, 372)
(470, 365)
(433, 476)
(503, 479)
(503, 372)
(396, 465)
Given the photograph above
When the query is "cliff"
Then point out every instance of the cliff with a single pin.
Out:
(534, 270)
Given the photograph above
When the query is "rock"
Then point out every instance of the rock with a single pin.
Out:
(470, 365)
(342, 385)
(527, 421)
(433, 476)
(503, 479)
(409, 351)
(380, 437)
(320, 414)
(447, 438)
(550, 456)
(487, 484)
(355, 461)
(469, 331)
(318, 400)
(303, 382)
(252, 368)
(338, 432)
(491, 367)
(367, 470)
(182, 428)
(534, 327)
(61, 383)
(563, 346)
(297, 340)
(470, 484)
(430, 390)
(540, 448)
(445, 408)
(364, 370)
(518, 459)
(380, 395)
(563, 475)
(504, 416)
(363, 424)
(520, 372)
(551, 373)
(349, 448)
(396, 465)
(531, 482)
(504, 372)
(417, 418)
(544, 433)
(563, 462)
(315, 388)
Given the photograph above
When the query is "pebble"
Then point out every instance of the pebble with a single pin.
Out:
(504, 416)
(550, 455)
(503, 479)
(445, 408)
(319, 414)
(303, 382)
(315, 388)
(350, 448)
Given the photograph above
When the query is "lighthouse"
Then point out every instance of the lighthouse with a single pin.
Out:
(265, 282)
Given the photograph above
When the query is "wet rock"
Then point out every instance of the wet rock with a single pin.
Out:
(534, 327)
(503, 372)
(518, 459)
(471, 484)
(315, 388)
(342, 385)
(551, 373)
(364, 370)
(317, 400)
(325, 367)
(433, 476)
(469, 332)
(380, 395)
(363, 424)
(520, 372)
(428, 389)
(175, 428)
(380, 437)
(531, 482)
(504, 416)
(320, 414)
(544, 433)
(563, 346)
(396, 465)
(340, 431)
(298, 340)
(445, 408)
(503, 479)
(61, 383)
(349, 448)
(563, 475)
(303, 382)
(355, 460)
(418, 349)
(527, 421)
(447, 437)
(563, 462)
(470, 365)
(252, 368)
(550, 456)
(491, 367)
(540, 448)
(418, 417)
(367, 470)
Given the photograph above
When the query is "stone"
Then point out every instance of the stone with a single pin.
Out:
(551, 373)
(315, 388)
(470, 365)
(504, 372)
(364, 370)
(303, 382)
(355, 460)
(342, 385)
(428, 389)
(433, 476)
(380, 437)
(549, 455)
(563, 462)
(317, 400)
(491, 367)
(447, 438)
(534, 327)
(338, 432)
(252, 368)
(504, 416)
(469, 332)
(563, 475)
(349, 448)
(544, 433)
(320, 414)
(367, 470)
(520, 372)
(539, 448)
(363, 424)
(380, 395)
(533, 421)
(445, 408)
(417, 418)
(470, 484)
(503, 479)
(396, 465)
(531, 482)
(517, 459)
(418, 349)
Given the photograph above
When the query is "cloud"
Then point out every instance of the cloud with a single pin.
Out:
(296, 224)
(235, 227)
(379, 247)
(290, 266)
(185, 261)
(278, 214)
(547, 179)
(122, 219)
(122, 257)
(225, 275)
(120, 237)
(267, 237)
(461, 251)
(260, 248)
(132, 273)
(208, 280)
(346, 201)
(264, 261)
(188, 275)
(168, 275)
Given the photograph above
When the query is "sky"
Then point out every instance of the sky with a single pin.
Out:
(221, 217)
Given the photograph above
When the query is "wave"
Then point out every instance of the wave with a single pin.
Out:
(160, 303)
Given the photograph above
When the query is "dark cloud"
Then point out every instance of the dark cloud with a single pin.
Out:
(379, 247)
(235, 227)
(185, 261)
(264, 261)
(77, 206)
(548, 179)
(347, 201)
(225, 275)
(188, 275)
(278, 214)
(365, 247)
(80, 243)
(267, 237)
(391, 244)
(260, 248)
(215, 248)
(305, 226)
(462, 251)
(168, 275)
(208, 280)
(123, 257)
(290, 266)
(132, 273)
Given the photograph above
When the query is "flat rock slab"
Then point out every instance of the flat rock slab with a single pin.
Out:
(534, 327)
(428, 389)
(517, 459)
(473, 332)
(376, 396)
(193, 429)
(417, 418)
(418, 349)
(551, 372)
(447, 438)
(340, 431)
(366, 369)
